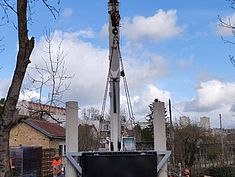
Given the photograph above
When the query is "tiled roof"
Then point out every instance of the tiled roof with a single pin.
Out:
(51, 130)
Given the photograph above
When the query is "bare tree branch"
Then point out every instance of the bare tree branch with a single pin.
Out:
(232, 60)
(51, 74)
(232, 3)
(55, 12)
(227, 41)
(10, 6)
(4, 12)
(1, 46)
(228, 24)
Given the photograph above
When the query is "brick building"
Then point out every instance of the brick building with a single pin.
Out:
(50, 113)
(31, 132)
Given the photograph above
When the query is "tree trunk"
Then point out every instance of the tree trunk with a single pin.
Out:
(4, 151)
(9, 116)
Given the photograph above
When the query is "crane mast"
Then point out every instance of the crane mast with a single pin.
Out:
(114, 73)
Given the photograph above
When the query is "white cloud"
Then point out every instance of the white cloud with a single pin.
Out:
(67, 12)
(29, 95)
(213, 98)
(156, 93)
(161, 25)
(185, 63)
(89, 64)
(194, 115)
(147, 96)
(104, 31)
(141, 72)
(4, 86)
(212, 95)
(88, 33)
(223, 31)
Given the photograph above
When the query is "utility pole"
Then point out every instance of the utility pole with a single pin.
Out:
(172, 136)
(220, 121)
(222, 138)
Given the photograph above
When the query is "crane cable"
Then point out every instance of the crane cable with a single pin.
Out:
(127, 92)
(126, 88)
(102, 116)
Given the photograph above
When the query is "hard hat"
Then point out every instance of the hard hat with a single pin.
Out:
(56, 156)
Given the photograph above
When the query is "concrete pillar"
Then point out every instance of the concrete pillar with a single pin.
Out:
(71, 135)
(159, 126)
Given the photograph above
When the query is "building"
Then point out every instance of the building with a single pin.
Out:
(32, 132)
(102, 128)
(204, 122)
(143, 124)
(88, 139)
(52, 114)
(184, 121)
(35, 139)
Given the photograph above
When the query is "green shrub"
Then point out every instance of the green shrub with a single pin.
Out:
(221, 171)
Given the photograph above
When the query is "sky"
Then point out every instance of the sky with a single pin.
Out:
(170, 49)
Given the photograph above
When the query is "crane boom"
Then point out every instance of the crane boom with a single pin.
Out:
(114, 59)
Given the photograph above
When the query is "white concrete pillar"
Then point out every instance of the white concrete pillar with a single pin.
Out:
(71, 135)
(159, 126)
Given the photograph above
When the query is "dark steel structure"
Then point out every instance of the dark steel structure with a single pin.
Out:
(26, 161)
(119, 164)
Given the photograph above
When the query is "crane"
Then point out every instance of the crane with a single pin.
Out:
(133, 163)
(114, 73)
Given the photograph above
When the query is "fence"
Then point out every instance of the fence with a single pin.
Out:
(47, 158)
(32, 161)
(26, 161)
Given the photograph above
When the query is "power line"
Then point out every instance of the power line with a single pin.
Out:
(178, 111)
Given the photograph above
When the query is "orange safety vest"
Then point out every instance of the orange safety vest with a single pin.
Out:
(57, 166)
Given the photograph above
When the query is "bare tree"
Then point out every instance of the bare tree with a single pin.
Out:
(228, 24)
(87, 137)
(50, 75)
(90, 113)
(188, 142)
(9, 116)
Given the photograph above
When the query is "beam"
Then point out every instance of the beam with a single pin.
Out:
(71, 135)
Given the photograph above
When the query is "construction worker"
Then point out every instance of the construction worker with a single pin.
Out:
(186, 172)
(57, 166)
